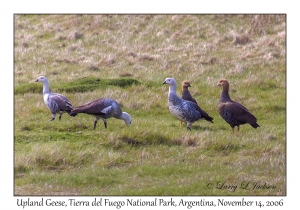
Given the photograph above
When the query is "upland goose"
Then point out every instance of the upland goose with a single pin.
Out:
(57, 103)
(186, 95)
(184, 110)
(234, 113)
(103, 108)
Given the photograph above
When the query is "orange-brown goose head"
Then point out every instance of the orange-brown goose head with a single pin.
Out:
(225, 84)
(185, 85)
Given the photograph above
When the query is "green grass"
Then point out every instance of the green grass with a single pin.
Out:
(127, 57)
(79, 85)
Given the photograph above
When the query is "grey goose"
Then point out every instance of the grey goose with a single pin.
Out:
(103, 108)
(183, 110)
(57, 103)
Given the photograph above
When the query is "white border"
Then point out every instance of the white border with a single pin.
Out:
(6, 80)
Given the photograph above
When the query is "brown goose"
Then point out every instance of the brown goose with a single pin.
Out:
(103, 108)
(186, 93)
(234, 113)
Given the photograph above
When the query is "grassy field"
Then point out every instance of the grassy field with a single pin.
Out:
(128, 57)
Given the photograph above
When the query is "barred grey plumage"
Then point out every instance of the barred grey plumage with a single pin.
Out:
(57, 103)
(234, 113)
(184, 110)
(103, 108)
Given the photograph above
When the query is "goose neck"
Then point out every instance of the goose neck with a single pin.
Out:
(46, 87)
(172, 89)
(225, 96)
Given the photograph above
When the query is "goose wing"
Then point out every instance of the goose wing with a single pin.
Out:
(62, 102)
(240, 112)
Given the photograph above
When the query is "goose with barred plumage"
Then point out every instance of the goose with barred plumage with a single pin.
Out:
(184, 110)
(103, 108)
(57, 103)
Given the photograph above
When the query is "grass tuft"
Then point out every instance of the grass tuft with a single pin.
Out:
(241, 39)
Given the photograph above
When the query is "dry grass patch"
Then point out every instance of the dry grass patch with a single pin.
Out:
(241, 39)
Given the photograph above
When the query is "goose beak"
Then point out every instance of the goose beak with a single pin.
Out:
(36, 80)
(164, 82)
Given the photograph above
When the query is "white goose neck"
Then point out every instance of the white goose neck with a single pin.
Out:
(172, 88)
(46, 87)
(126, 117)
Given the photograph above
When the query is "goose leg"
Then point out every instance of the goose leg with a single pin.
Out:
(59, 117)
(53, 117)
(188, 127)
(104, 121)
(95, 123)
